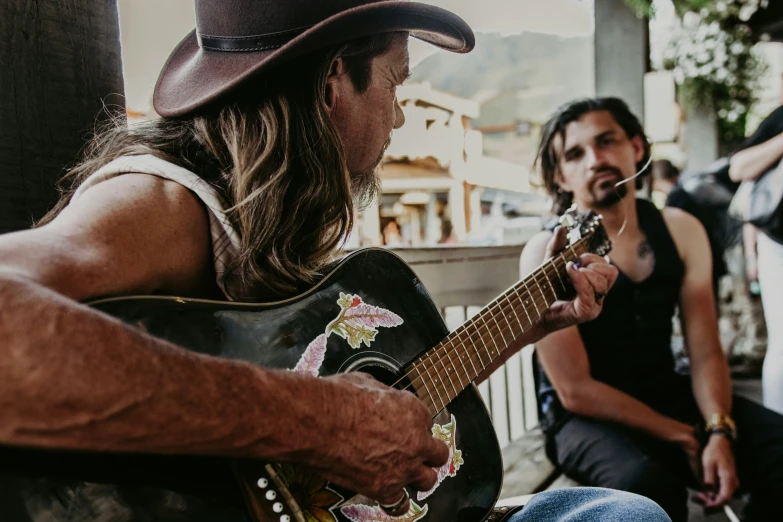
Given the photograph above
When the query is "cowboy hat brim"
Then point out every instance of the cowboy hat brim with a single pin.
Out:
(193, 77)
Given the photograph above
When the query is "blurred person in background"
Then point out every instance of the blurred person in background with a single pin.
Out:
(668, 190)
(615, 412)
(760, 153)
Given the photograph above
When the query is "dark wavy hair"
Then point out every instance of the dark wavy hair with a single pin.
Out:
(274, 155)
(548, 158)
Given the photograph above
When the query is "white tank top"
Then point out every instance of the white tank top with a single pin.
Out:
(225, 240)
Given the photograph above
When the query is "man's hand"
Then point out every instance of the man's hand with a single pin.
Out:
(375, 440)
(592, 280)
(720, 472)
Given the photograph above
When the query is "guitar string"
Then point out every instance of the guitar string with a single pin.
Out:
(492, 305)
(489, 312)
(439, 385)
(485, 311)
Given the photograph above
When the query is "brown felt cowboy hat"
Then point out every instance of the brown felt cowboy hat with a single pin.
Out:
(237, 39)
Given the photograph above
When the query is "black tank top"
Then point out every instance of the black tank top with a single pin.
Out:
(629, 344)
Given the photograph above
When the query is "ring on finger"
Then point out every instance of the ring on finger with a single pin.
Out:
(393, 509)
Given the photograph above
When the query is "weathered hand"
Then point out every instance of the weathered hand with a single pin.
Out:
(375, 440)
(592, 280)
(720, 472)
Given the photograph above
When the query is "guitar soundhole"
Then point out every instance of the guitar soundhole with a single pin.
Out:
(383, 373)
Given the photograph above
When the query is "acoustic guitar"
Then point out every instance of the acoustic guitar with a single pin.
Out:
(371, 313)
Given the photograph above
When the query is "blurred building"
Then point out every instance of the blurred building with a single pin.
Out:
(438, 186)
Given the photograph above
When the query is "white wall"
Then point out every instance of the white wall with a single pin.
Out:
(149, 31)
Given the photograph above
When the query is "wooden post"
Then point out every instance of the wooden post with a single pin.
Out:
(59, 65)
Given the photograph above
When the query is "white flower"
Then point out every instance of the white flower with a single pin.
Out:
(746, 12)
(737, 48)
(690, 19)
(732, 116)
(721, 74)
(679, 76)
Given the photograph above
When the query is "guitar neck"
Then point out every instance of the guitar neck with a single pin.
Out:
(444, 371)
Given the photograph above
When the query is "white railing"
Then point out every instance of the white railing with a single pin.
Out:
(461, 281)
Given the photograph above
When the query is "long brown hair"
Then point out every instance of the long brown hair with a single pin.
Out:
(548, 156)
(274, 155)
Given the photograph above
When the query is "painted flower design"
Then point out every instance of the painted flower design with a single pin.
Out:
(311, 492)
(362, 513)
(448, 434)
(358, 321)
(313, 357)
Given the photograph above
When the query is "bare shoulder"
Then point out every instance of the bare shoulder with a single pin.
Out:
(687, 231)
(534, 252)
(129, 234)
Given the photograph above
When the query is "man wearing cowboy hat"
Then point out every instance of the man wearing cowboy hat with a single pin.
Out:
(275, 115)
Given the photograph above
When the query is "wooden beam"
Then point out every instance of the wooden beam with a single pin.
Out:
(59, 65)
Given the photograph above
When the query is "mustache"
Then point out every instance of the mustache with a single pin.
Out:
(608, 169)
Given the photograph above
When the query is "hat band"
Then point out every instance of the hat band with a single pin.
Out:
(261, 42)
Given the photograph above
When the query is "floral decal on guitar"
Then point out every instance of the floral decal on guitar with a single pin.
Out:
(358, 321)
(446, 433)
(362, 513)
(313, 357)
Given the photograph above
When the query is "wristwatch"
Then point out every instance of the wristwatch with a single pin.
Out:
(723, 424)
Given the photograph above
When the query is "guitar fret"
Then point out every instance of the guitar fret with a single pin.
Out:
(427, 388)
(447, 375)
(532, 299)
(467, 374)
(454, 370)
(478, 353)
(443, 404)
(516, 316)
(505, 316)
(529, 321)
(535, 280)
(557, 273)
(485, 344)
(500, 331)
(469, 359)
(554, 294)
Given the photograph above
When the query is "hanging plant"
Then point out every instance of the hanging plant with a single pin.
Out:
(646, 8)
(712, 56)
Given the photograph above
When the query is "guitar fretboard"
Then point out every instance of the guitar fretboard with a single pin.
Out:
(444, 371)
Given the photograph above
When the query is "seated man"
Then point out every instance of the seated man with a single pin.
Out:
(615, 413)
(244, 189)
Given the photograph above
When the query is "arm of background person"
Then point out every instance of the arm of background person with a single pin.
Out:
(709, 368)
(564, 358)
(761, 151)
(73, 377)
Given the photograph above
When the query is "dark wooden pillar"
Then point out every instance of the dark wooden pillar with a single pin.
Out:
(59, 64)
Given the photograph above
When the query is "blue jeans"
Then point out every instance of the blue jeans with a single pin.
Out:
(590, 505)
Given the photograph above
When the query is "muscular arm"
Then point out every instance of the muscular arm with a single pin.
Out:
(73, 377)
(709, 368)
(564, 359)
(751, 163)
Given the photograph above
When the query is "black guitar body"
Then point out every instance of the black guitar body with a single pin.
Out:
(51, 486)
